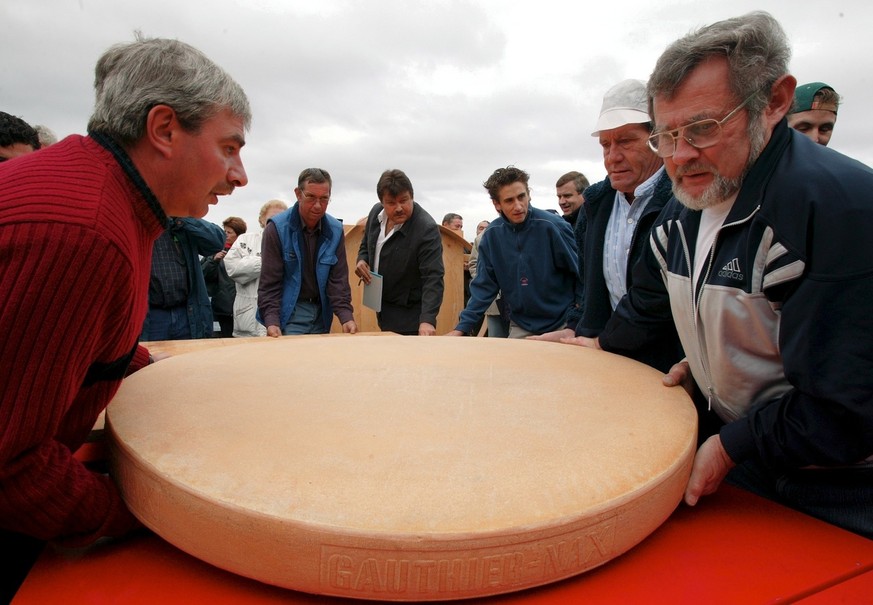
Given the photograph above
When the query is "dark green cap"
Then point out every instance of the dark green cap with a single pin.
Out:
(804, 98)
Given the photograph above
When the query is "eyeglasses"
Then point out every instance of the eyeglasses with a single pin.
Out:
(700, 134)
(309, 197)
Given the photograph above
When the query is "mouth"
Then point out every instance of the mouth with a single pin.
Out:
(691, 175)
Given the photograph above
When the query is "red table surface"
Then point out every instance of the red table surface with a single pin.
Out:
(732, 548)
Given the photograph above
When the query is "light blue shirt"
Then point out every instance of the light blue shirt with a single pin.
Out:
(620, 233)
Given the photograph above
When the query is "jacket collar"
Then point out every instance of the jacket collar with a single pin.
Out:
(297, 224)
(522, 224)
(127, 165)
(755, 182)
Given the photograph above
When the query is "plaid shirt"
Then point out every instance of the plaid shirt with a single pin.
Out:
(168, 285)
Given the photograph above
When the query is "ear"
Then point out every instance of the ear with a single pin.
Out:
(497, 207)
(781, 99)
(162, 128)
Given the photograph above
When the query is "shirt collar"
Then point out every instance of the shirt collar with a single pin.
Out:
(647, 187)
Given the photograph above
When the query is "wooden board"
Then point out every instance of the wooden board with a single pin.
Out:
(399, 468)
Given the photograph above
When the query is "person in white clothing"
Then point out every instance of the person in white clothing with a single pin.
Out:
(243, 265)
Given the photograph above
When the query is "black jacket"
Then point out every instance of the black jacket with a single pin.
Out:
(220, 287)
(411, 265)
(779, 332)
(596, 306)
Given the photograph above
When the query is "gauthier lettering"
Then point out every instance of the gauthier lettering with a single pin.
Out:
(348, 571)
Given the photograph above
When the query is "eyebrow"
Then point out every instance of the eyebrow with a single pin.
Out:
(659, 128)
(238, 139)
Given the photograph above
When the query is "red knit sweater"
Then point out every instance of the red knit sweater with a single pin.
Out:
(76, 237)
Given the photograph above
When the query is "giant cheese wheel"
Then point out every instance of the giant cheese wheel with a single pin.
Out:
(401, 468)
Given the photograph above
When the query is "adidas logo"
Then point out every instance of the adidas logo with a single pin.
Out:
(732, 270)
(734, 265)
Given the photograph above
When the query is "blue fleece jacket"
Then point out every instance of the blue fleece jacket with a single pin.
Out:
(533, 265)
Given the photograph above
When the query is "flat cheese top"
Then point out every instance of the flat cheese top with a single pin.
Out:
(407, 436)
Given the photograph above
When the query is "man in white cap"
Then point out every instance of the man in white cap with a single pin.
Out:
(620, 211)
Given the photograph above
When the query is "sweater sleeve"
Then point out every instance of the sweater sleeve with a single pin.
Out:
(483, 288)
(272, 276)
(566, 259)
(66, 300)
(339, 292)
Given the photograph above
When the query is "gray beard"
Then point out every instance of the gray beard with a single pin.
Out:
(720, 190)
(723, 188)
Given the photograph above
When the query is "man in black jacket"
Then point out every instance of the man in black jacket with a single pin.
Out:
(402, 243)
(763, 262)
(618, 214)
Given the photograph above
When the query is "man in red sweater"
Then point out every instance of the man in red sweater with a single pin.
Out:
(77, 223)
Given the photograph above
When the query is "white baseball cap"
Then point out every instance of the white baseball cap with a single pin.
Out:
(624, 103)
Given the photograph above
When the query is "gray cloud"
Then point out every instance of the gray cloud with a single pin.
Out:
(447, 90)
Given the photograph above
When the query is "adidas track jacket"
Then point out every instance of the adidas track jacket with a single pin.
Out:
(779, 333)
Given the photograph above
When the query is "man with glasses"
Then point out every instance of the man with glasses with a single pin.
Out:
(618, 215)
(765, 262)
(304, 271)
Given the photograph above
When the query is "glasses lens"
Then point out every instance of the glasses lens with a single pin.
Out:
(702, 134)
(662, 144)
(310, 197)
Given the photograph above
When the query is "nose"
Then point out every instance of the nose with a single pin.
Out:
(684, 151)
(237, 174)
(614, 154)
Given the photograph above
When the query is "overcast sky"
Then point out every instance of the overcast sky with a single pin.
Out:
(445, 90)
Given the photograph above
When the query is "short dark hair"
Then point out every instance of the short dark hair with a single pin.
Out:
(393, 182)
(503, 177)
(236, 224)
(314, 175)
(450, 217)
(579, 181)
(15, 130)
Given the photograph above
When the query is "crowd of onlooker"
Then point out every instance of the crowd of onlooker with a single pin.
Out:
(724, 248)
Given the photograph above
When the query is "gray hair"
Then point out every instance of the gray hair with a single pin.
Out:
(46, 136)
(131, 78)
(756, 49)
